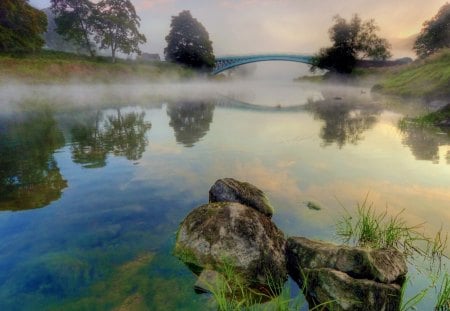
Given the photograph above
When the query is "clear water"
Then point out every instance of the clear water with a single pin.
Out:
(93, 189)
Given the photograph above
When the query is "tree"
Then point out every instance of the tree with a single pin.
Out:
(21, 27)
(435, 33)
(352, 40)
(188, 43)
(117, 27)
(74, 20)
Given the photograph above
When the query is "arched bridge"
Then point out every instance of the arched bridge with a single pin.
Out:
(224, 63)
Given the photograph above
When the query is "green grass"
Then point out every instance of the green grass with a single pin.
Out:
(430, 119)
(413, 301)
(60, 67)
(230, 292)
(427, 78)
(443, 297)
(367, 228)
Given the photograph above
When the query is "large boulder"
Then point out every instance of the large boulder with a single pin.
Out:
(228, 233)
(232, 190)
(354, 278)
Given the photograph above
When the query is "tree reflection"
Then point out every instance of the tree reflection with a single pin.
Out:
(345, 121)
(190, 120)
(122, 134)
(29, 174)
(425, 142)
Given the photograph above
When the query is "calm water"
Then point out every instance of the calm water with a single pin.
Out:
(95, 183)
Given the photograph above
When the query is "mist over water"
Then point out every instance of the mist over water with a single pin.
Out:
(100, 176)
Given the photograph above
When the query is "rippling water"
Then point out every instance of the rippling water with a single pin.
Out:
(92, 190)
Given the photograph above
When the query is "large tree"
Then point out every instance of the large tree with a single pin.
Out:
(188, 43)
(74, 21)
(435, 33)
(21, 27)
(351, 40)
(117, 27)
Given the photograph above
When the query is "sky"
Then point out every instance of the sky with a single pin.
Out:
(283, 26)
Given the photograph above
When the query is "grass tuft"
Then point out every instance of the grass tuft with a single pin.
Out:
(376, 230)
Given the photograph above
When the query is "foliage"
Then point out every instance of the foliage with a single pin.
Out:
(435, 33)
(340, 59)
(188, 43)
(75, 21)
(351, 40)
(21, 27)
(116, 27)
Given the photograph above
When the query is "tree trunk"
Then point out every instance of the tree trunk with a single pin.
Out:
(113, 54)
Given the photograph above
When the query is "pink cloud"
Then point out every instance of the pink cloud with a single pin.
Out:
(144, 5)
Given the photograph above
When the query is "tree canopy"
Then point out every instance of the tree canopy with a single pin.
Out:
(111, 23)
(74, 21)
(435, 33)
(353, 40)
(117, 27)
(21, 27)
(188, 43)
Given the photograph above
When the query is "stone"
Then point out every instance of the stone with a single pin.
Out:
(220, 233)
(354, 278)
(232, 190)
(343, 292)
(208, 281)
(382, 265)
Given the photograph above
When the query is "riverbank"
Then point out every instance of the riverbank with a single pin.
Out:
(50, 67)
(427, 78)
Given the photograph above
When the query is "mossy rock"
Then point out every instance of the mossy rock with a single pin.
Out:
(215, 235)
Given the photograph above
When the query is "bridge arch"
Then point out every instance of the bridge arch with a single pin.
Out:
(225, 63)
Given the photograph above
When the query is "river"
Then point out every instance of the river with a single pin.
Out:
(96, 179)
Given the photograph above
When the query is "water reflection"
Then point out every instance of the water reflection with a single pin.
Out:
(190, 120)
(29, 175)
(118, 133)
(425, 142)
(345, 120)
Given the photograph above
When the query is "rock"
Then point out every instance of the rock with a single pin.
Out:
(346, 293)
(342, 273)
(208, 281)
(232, 190)
(216, 234)
(382, 265)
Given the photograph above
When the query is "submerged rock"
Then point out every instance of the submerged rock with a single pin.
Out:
(232, 190)
(354, 278)
(208, 281)
(227, 233)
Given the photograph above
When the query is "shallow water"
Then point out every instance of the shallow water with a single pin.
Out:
(92, 190)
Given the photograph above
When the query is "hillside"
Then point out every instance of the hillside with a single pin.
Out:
(60, 67)
(428, 78)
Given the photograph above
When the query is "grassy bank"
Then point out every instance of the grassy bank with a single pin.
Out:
(59, 67)
(428, 78)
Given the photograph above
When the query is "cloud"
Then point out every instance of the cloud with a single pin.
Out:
(146, 5)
